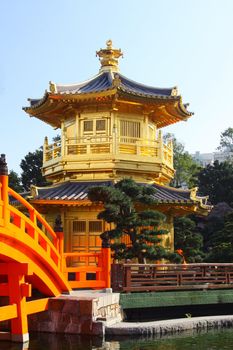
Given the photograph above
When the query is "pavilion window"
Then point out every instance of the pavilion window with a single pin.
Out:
(130, 130)
(100, 125)
(79, 226)
(94, 127)
(82, 226)
(88, 126)
(95, 226)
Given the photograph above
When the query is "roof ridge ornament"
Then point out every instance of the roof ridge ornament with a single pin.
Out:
(109, 57)
(116, 82)
(174, 91)
(52, 87)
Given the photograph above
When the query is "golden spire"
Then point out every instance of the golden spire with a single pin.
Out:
(109, 57)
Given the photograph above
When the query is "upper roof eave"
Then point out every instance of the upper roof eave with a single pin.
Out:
(104, 83)
(62, 97)
(37, 104)
(184, 110)
(146, 95)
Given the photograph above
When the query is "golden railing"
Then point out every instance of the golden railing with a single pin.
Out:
(102, 144)
(52, 151)
(89, 145)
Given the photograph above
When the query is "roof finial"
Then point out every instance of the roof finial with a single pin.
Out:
(109, 57)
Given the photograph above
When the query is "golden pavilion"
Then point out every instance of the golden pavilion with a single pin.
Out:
(110, 129)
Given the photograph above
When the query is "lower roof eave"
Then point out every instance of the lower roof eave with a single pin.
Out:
(179, 205)
(78, 203)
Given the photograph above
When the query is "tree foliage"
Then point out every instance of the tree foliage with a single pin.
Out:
(31, 169)
(188, 239)
(15, 181)
(226, 141)
(141, 226)
(216, 181)
(212, 223)
(221, 242)
(186, 168)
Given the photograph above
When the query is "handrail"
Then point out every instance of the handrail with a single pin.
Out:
(44, 249)
(31, 208)
(40, 238)
(74, 254)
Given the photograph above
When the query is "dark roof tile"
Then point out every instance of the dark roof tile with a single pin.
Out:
(104, 81)
(78, 191)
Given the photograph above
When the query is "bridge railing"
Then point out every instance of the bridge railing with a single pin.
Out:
(30, 223)
(162, 277)
(89, 275)
(51, 244)
(33, 232)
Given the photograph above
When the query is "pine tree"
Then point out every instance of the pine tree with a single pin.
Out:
(221, 243)
(216, 181)
(15, 182)
(127, 205)
(188, 239)
(31, 170)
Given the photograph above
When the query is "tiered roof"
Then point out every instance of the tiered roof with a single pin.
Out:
(110, 85)
(76, 193)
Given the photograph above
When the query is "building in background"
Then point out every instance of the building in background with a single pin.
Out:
(205, 159)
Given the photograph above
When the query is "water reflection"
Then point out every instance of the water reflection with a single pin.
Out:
(211, 340)
(5, 345)
(47, 341)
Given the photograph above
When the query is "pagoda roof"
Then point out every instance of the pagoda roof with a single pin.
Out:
(107, 79)
(109, 84)
(104, 81)
(73, 192)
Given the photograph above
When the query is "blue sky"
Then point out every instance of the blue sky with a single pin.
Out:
(184, 43)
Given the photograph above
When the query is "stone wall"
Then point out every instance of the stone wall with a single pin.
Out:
(86, 314)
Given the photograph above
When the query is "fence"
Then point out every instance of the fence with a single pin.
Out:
(163, 277)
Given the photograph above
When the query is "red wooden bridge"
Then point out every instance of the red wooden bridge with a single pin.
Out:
(32, 257)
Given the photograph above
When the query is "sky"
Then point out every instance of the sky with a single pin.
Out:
(183, 43)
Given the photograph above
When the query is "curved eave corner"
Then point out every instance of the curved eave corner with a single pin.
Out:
(35, 105)
(200, 201)
(183, 109)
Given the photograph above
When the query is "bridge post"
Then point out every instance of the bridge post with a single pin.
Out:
(18, 291)
(58, 229)
(4, 188)
(106, 262)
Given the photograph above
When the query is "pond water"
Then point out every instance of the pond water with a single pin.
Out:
(211, 340)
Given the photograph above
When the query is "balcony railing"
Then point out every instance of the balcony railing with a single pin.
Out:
(89, 145)
(52, 151)
(103, 145)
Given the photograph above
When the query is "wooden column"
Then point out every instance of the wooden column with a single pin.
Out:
(106, 262)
